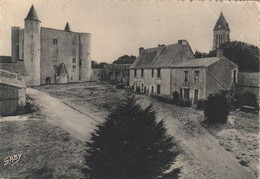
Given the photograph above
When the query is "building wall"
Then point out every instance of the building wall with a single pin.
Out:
(223, 72)
(178, 82)
(149, 81)
(8, 99)
(15, 43)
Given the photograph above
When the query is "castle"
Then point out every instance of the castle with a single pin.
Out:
(51, 56)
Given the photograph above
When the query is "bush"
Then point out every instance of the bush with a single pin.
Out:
(248, 99)
(200, 104)
(184, 102)
(176, 96)
(163, 99)
(137, 90)
(216, 109)
(120, 86)
(129, 144)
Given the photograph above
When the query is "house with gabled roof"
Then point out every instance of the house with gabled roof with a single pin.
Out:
(198, 78)
(165, 70)
(151, 71)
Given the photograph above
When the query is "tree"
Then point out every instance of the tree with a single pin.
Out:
(129, 144)
(244, 55)
(94, 64)
(216, 108)
(125, 60)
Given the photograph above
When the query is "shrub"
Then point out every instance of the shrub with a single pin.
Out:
(176, 96)
(163, 99)
(184, 102)
(216, 109)
(129, 144)
(200, 104)
(248, 99)
(120, 86)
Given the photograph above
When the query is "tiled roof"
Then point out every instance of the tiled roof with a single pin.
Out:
(221, 23)
(198, 62)
(163, 56)
(32, 15)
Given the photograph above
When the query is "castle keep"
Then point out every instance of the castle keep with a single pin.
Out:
(51, 56)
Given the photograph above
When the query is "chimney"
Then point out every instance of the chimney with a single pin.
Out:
(141, 49)
(220, 52)
(182, 42)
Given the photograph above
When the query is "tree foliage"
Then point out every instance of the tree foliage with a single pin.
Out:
(216, 108)
(129, 144)
(125, 60)
(244, 55)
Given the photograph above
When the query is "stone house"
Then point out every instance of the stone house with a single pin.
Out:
(45, 49)
(116, 73)
(198, 78)
(151, 71)
(167, 69)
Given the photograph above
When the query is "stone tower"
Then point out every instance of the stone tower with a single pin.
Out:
(221, 32)
(32, 47)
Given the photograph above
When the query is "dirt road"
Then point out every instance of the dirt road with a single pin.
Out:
(213, 159)
(77, 124)
(197, 141)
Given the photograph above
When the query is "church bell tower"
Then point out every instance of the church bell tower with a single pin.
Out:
(221, 32)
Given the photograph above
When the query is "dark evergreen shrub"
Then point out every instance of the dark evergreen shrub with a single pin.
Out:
(184, 102)
(129, 144)
(216, 109)
(200, 104)
(248, 99)
(176, 96)
(163, 99)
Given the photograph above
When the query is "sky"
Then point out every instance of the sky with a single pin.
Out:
(121, 27)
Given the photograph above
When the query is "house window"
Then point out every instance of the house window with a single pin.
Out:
(54, 67)
(234, 76)
(196, 95)
(152, 72)
(196, 76)
(55, 41)
(152, 89)
(135, 73)
(74, 67)
(186, 93)
(142, 72)
(158, 89)
(181, 96)
(73, 60)
(185, 76)
(158, 73)
(142, 87)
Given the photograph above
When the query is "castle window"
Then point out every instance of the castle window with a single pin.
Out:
(73, 60)
(158, 89)
(152, 72)
(55, 41)
(74, 67)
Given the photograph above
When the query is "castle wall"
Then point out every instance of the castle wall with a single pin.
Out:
(15, 43)
(85, 57)
(70, 48)
(32, 52)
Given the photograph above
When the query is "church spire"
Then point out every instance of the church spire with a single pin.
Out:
(221, 23)
(67, 28)
(32, 15)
